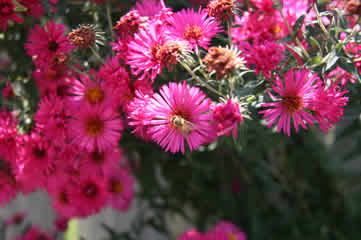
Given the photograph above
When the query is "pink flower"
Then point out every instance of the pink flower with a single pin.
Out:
(226, 117)
(10, 140)
(191, 235)
(61, 224)
(59, 188)
(180, 112)
(90, 195)
(120, 187)
(16, 219)
(149, 8)
(231, 230)
(34, 233)
(35, 8)
(342, 76)
(194, 27)
(139, 116)
(51, 119)
(45, 43)
(328, 105)
(89, 91)
(264, 56)
(8, 183)
(142, 52)
(95, 127)
(7, 13)
(100, 161)
(7, 91)
(296, 96)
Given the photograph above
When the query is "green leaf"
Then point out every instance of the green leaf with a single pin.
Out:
(332, 59)
(349, 67)
(298, 24)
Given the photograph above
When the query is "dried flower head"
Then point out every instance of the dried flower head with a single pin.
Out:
(169, 53)
(222, 10)
(222, 60)
(129, 23)
(85, 36)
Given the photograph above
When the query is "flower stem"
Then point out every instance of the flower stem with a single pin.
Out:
(229, 26)
(109, 17)
(96, 54)
(199, 80)
(319, 20)
(291, 32)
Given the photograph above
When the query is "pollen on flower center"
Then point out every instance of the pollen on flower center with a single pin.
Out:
(90, 190)
(154, 49)
(181, 124)
(53, 46)
(168, 53)
(193, 32)
(292, 103)
(116, 187)
(94, 95)
(232, 236)
(94, 126)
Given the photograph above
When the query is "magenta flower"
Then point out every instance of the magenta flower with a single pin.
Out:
(7, 13)
(226, 117)
(194, 27)
(149, 8)
(296, 96)
(180, 112)
(143, 52)
(120, 187)
(328, 105)
(231, 230)
(192, 234)
(45, 43)
(95, 127)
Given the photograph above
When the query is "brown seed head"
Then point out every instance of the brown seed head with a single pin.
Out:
(82, 37)
(169, 52)
(353, 6)
(222, 10)
(221, 60)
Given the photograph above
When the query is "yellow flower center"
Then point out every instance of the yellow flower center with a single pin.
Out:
(94, 95)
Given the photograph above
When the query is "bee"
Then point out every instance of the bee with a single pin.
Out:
(181, 124)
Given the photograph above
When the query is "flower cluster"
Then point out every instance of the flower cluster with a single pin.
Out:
(222, 231)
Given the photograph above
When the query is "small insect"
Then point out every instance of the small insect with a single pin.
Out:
(181, 124)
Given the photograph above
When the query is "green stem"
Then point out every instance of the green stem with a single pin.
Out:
(320, 23)
(109, 17)
(291, 32)
(96, 54)
(200, 81)
(229, 26)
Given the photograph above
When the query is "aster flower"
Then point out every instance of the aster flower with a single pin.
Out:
(59, 188)
(328, 105)
(264, 56)
(194, 27)
(83, 37)
(35, 233)
(180, 112)
(100, 161)
(51, 118)
(8, 183)
(61, 223)
(88, 91)
(10, 140)
(95, 127)
(231, 230)
(226, 117)
(191, 235)
(138, 116)
(90, 195)
(44, 43)
(151, 50)
(120, 187)
(129, 23)
(149, 8)
(7, 13)
(296, 96)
